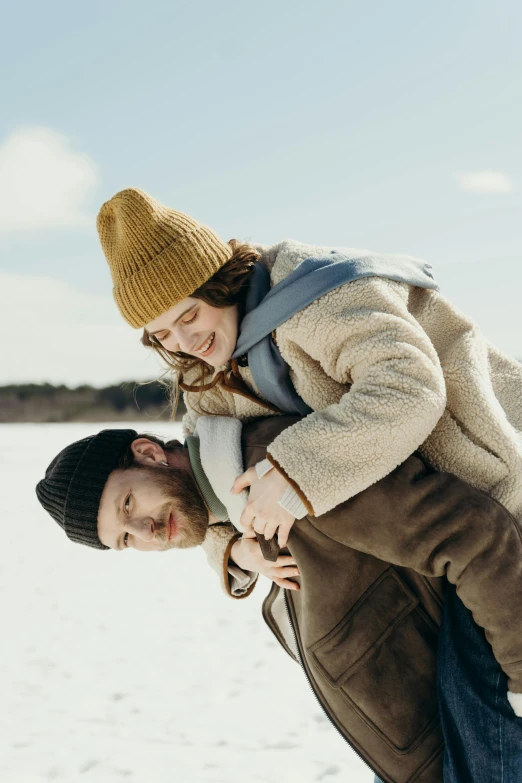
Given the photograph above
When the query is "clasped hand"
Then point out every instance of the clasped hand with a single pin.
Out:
(263, 514)
(247, 554)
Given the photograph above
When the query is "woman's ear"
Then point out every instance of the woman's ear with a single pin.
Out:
(146, 452)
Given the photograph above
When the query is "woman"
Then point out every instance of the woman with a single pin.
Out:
(383, 365)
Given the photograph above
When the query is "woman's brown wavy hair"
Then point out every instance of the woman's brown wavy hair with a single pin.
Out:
(225, 288)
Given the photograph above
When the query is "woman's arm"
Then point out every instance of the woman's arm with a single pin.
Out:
(362, 336)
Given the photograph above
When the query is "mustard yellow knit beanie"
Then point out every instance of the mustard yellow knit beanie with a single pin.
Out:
(157, 256)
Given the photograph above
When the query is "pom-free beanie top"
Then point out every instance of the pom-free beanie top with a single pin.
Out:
(74, 481)
(157, 256)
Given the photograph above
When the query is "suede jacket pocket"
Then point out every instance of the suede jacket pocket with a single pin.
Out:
(382, 658)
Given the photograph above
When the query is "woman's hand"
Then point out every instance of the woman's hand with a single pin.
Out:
(263, 513)
(246, 553)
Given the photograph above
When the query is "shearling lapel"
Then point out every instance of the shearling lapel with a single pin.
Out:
(222, 461)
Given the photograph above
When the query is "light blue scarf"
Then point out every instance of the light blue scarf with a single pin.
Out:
(267, 308)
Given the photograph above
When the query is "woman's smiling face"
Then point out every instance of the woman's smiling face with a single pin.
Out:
(198, 329)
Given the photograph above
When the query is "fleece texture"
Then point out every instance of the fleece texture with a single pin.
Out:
(387, 368)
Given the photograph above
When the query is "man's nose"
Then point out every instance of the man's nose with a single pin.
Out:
(142, 528)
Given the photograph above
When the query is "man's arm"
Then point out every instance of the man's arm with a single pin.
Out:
(238, 562)
(218, 544)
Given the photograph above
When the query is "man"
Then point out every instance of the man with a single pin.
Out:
(364, 630)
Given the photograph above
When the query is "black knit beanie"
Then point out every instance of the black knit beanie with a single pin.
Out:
(74, 482)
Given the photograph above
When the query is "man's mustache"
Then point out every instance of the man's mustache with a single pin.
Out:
(160, 524)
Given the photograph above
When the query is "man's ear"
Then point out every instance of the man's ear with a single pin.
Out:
(146, 452)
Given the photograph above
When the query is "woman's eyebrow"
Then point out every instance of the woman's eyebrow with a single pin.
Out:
(175, 322)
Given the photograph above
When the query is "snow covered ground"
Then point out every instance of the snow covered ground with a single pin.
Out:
(135, 668)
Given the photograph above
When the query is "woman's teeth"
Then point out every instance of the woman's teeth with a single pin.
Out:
(208, 344)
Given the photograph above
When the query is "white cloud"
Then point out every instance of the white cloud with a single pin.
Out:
(486, 181)
(43, 183)
(50, 332)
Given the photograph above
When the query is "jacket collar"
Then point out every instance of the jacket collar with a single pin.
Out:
(213, 503)
(219, 462)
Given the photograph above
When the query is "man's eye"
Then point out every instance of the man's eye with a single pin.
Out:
(126, 539)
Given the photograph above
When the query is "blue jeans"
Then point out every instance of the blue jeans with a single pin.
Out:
(483, 736)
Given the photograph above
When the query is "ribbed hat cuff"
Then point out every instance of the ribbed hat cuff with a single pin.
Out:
(174, 274)
(88, 481)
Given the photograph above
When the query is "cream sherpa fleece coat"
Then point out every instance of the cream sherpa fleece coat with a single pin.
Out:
(387, 369)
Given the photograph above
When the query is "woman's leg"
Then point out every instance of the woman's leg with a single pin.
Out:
(483, 736)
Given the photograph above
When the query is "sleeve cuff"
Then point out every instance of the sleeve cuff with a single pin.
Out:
(238, 583)
(263, 467)
(292, 503)
(299, 493)
(289, 500)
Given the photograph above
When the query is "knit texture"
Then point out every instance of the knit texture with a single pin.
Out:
(75, 479)
(156, 256)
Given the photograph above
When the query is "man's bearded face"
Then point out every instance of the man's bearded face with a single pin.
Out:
(151, 509)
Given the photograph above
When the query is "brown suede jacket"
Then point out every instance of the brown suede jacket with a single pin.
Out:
(366, 619)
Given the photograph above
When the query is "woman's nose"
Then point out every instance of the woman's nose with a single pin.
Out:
(171, 344)
(186, 342)
(141, 528)
(179, 341)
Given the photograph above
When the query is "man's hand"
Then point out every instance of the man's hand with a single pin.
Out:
(246, 553)
(263, 513)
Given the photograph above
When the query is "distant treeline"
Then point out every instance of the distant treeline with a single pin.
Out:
(33, 402)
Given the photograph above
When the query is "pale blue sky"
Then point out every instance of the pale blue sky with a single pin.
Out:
(340, 123)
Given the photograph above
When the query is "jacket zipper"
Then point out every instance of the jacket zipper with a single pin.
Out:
(300, 659)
